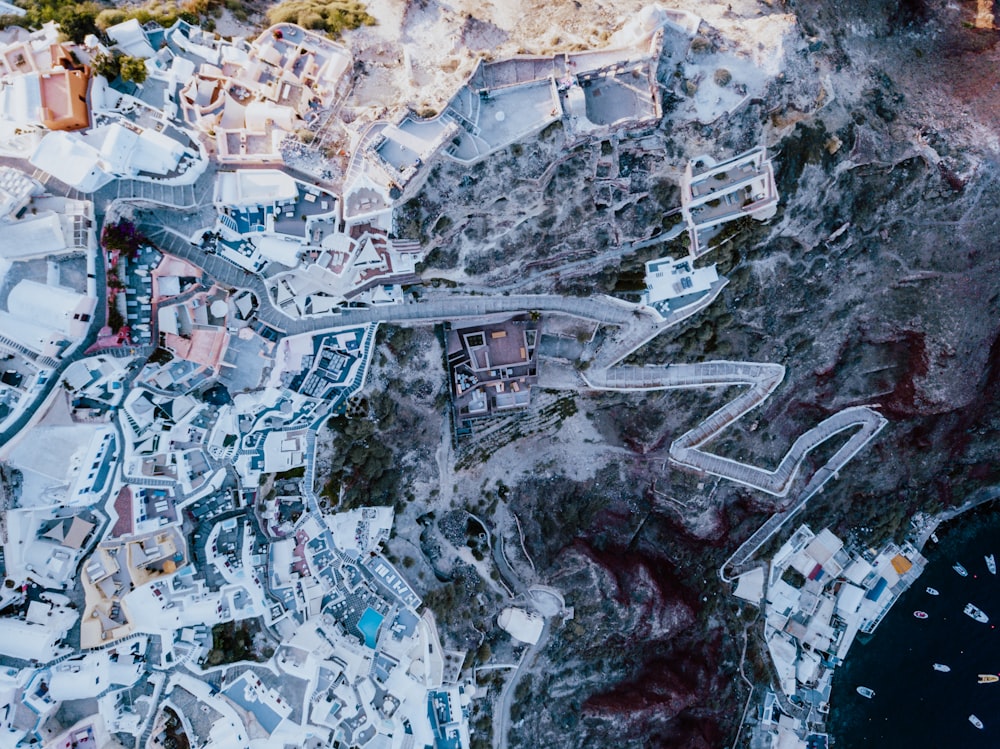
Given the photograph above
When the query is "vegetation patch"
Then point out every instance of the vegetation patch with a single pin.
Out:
(331, 16)
(76, 20)
(233, 642)
(363, 470)
(793, 577)
(114, 64)
(123, 237)
(164, 12)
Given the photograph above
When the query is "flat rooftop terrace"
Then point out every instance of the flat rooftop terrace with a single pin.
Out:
(719, 179)
(732, 204)
(364, 200)
(513, 113)
(627, 96)
(397, 154)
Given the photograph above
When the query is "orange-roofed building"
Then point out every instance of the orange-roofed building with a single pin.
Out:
(64, 93)
(901, 564)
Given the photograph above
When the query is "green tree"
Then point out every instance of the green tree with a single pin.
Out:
(110, 17)
(107, 64)
(133, 69)
(483, 653)
(77, 20)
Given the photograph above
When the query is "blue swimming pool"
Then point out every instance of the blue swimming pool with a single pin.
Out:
(368, 625)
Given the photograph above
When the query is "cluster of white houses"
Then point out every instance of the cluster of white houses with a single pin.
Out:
(817, 597)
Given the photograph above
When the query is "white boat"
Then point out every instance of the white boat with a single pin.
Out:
(976, 613)
(991, 564)
(976, 722)
(960, 569)
(933, 592)
(934, 537)
(866, 692)
(942, 668)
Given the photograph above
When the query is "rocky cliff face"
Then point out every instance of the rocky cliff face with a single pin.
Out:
(876, 283)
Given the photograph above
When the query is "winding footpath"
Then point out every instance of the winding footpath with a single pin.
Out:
(762, 380)
(632, 327)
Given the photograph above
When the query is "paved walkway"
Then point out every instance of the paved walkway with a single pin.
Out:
(762, 380)
(434, 307)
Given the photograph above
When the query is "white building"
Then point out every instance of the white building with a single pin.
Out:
(253, 187)
(31, 642)
(126, 152)
(717, 192)
(668, 279)
(36, 637)
(524, 626)
(88, 162)
(130, 38)
(46, 319)
(76, 161)
(16, 191)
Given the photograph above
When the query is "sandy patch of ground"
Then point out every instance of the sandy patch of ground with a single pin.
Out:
(577, 451)
(227, 26)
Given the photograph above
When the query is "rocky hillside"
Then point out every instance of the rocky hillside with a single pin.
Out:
(876, 283)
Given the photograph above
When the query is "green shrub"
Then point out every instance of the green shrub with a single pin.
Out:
(793, 577)
(114, 64)
(107, 64)
(331, 16)
(133, 69)
(110, 17)
(700, 44)
(75, 19)
(164, 12)
(312, 20)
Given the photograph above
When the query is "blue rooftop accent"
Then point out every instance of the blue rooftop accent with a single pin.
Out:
(446, 734)
(228, 221)
(874, 593)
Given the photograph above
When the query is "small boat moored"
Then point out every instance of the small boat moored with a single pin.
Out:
(933, 592)
(976, 722)
(988, 678)
(976, 613)
(991, 564)
(960, 569)
(934, 537)
(942, 668)
(866, 692)
(920, 614)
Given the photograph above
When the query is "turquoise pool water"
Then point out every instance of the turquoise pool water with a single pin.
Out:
(368, 625)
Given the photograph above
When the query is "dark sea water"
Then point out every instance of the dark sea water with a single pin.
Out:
(915, 706)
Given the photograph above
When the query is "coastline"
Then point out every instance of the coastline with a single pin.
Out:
(805, 710)
(979, 497)
(898, 667)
